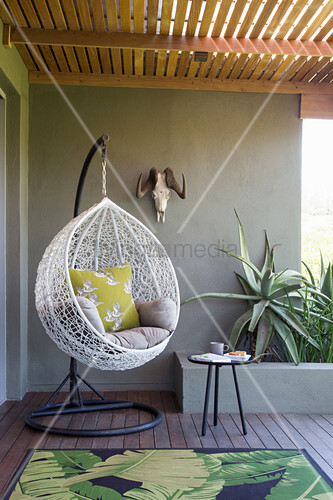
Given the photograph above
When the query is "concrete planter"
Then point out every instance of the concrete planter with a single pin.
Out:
(265, 387)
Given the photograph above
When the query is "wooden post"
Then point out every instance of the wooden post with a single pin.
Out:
(6, 38)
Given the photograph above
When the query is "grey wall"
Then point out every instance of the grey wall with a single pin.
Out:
(245, 147)
(15, 89)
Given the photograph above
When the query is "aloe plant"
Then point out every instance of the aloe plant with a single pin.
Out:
(267, 293)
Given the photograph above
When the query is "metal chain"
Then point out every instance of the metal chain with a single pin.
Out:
(104, 172)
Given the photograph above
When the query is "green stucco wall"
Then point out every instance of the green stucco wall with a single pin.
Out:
(15, 88)
(248, 146)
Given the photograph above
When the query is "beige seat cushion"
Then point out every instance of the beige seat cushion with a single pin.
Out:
(161, 313)
(138, 338)
(135, 338)
(91, 313)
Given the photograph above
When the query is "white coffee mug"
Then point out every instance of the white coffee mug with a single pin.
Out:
(218, 348)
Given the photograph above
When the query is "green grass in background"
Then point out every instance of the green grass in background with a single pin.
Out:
(317, 197)
(317, 229)
(317, 235)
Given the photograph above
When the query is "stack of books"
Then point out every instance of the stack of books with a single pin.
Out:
(209, 356)
(216, 358)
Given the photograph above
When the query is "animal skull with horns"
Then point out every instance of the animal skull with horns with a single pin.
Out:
(161, 183)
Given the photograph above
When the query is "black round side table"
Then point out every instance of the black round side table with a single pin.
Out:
(218, 365)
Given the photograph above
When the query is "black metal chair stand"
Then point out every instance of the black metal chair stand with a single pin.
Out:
(76, 404)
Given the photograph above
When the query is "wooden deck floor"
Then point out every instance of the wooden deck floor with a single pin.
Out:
(311, 432)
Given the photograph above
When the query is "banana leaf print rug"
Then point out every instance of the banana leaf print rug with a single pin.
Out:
(201, 474)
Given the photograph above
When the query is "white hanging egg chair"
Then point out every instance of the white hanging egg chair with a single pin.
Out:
(101, 237)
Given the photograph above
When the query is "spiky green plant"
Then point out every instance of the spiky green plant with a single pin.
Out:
(316, 315)
(323, 291)
(267, 294)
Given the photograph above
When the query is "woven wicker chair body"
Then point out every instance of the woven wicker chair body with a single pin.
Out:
(103, 236)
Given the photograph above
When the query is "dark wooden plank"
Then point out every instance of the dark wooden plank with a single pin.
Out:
(291, 432)
(17, 409)
(15, 429)
(38, 440)
(207, 441)
(313, 434)
(156, 400)
(131, 420)
(89, 422)
(15, 453)
(316, 436)
(28, 438)
(161, 434)
(261, 431)
(5, 409)
(251, 437)
(17, 439)
(324, 424)
(329, 418)
(104, 421)
(118, 421)
(296, 435)
(176, 404)
(219, 434)
(317, 430)
(169, 403)
(232, 430)
(53, 441)
(276, 431)
(44, 439)
(76, 422)
(6, 406)
(176, 436)
(189, 430)
(146, 437)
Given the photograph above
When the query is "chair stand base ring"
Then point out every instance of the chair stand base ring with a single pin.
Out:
(90, 405)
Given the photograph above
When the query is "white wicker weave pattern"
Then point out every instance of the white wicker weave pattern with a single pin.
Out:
(103, 236)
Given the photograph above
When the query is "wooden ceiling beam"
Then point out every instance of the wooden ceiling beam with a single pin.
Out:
(317, 106)
(73, 38)
(5, 14)
(165, 82)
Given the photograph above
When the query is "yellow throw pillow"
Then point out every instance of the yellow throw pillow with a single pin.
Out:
(111, 291)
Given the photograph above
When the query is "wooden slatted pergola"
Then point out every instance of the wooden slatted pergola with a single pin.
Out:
(283, 46)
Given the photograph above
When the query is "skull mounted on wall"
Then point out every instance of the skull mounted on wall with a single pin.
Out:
(161, 183)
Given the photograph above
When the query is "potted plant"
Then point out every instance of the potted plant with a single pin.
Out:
(268, 295)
